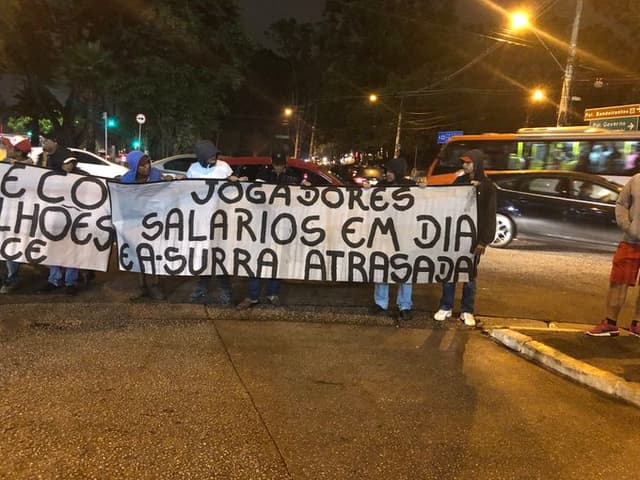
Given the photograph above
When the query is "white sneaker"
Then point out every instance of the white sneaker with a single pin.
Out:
(441, 315)
(468, 319)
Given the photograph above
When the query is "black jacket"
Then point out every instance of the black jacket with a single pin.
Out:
(288, 177)
(486, 198)
(55, 159)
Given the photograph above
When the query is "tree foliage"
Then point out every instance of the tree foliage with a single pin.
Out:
(177, 62)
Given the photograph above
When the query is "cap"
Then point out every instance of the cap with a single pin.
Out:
(69, 160)
(466, 159)
(17, 142)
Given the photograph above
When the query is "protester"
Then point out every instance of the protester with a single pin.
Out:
(625, 264)
(473, 165)
(18, 149)
(57, 157)
(56, 154)
(211, 167)
(277, 174)
(395, 176)
(141, 171)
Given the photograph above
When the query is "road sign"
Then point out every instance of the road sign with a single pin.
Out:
(612, 112)
(444, 136)
(623, 123)
(140, 118)
(282, 137)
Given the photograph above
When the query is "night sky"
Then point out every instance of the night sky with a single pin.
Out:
(259, 14)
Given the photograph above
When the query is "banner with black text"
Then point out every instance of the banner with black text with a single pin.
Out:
(352, 234)
(53, 218)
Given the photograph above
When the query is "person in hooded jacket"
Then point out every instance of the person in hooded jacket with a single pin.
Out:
(473, 165)
(395, 176)
(210, 166)
(277, 174)
(141, 171)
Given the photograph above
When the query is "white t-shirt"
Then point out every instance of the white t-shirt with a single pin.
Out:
(220, 171)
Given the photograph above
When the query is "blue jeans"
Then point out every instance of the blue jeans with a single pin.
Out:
(468, 296)
(255, 285)
(12, 272)
(381, 295)
(70, 276)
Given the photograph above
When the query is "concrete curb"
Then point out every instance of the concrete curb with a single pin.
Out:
(577, 370)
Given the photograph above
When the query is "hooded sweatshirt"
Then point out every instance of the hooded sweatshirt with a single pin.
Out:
(204, 150)
(628, 210)
(398, 166)
(485, 195)
(133, 160)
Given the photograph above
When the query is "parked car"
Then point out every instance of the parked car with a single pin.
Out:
(557, 207)
(177, 166)
(90, 163)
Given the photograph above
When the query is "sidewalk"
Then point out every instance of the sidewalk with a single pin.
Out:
(609, 365)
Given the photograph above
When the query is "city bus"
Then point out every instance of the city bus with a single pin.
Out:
(613, 154)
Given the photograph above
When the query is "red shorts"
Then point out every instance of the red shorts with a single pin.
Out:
(626, 264)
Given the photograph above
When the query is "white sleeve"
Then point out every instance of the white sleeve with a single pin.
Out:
(228, 170)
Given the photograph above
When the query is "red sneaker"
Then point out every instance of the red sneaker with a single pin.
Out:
(635, 329)
(604, 329)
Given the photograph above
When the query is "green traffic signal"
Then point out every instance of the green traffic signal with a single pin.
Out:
(135, 144)
(112, 123)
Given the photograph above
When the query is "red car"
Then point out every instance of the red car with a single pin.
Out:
(178, 165)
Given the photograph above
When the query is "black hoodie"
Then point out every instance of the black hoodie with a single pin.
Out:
(486, 197)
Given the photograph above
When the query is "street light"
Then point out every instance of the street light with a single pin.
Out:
(520, 20)
(537, 96)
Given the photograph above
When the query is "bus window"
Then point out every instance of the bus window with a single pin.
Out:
(498, 155)
(535, 155)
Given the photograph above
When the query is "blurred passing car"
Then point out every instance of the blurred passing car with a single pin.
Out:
(556, 207)
(177, 166)
(89, 162)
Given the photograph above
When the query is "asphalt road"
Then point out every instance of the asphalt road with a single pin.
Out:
(276, 400)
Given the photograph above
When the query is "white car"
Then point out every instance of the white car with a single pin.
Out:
(90, 163)
(176, 165)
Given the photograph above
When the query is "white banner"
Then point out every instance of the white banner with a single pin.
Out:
(52, 218)
(204, 227)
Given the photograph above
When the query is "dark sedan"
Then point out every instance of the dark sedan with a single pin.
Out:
(556, 206)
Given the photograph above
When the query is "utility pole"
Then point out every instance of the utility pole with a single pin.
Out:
(563, 107)
(313, 132)
(105, 117)
(396, 150)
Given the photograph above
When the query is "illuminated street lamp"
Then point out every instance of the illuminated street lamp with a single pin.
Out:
(373, 98)
(537, 96)
(520, 20)
(288, 112)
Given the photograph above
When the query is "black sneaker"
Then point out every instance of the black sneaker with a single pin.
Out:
(377, 310)
(404, 315)
(48, 288)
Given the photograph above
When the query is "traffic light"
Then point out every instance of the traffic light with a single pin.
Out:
(112, 122)
(135, 144)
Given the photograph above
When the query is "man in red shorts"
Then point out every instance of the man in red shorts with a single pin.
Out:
(626, 262)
